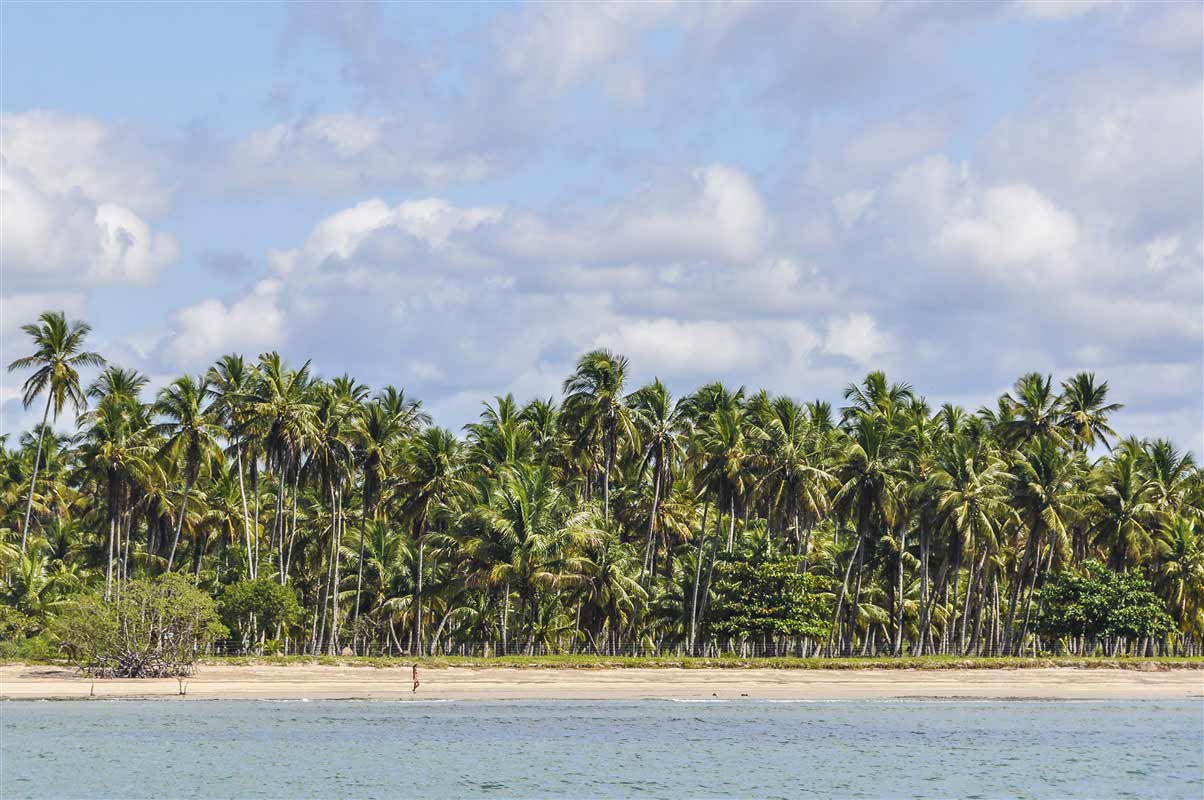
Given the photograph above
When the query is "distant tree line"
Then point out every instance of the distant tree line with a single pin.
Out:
(319, 514)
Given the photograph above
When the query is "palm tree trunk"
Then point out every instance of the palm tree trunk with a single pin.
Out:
(359, 575)
(855, 609)
(506, 619)
(109, 568)
(288, 558)
(418, 594)
(899, 593)
(844, 589)
(336, 544)
(656, 496)
(610, 462)
(731, 525)
(33, 481)
(246, 514)
(180, 522)
(702, 535)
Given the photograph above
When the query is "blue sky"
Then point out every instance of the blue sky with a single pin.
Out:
(460, 199)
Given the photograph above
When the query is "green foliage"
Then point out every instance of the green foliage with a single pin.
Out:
(758, 597)
(153, 629)
(15, 624)
(258, 605)
(1098, 603)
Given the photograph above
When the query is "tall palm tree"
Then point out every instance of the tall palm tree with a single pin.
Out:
(1048, 496)
(433, 480)
(231, 380)
(867, 495)
(1085, 411)
(1122, 516)
(595, 401)
(659, 422)
(191, 435)
(56, 360)
(1035, 411)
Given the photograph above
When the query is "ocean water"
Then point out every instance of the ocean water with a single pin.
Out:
(844, 749)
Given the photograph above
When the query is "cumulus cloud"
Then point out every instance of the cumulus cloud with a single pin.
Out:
(211, 327)
(69, 186)
(857, 337)
(1013, 229)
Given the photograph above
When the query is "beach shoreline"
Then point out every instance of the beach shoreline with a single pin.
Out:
(329, 682)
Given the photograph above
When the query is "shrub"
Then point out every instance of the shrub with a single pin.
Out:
(258, 605)
(152, 629)
(762, 597)
(1098, 603)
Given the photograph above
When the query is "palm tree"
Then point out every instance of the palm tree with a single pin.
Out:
(867, 495)
(595, 402)
(1122, 516)
(536, 533)
(1034, 411)
(433, 480)
(1048, 495)
(191, 438)
(117, 455)
(970, 484)
(231, 381)
(659, 422)
(1179, 576)
(794, 477)
(1085, 410)
(56, 359)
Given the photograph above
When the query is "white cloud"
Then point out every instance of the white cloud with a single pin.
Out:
(68, 155)
(331, 152)
(19, 308)
(857, 337)
(211, 327)
(716, 214)
(1014, 228)
(69, 187)
(561, 44)
(1060, 9)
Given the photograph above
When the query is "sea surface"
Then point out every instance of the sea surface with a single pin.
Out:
(844, 749)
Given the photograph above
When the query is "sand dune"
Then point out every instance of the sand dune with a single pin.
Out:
(461, 683)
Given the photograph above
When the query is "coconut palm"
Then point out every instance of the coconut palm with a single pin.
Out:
(1085, 411)
(595, 403)
(191, 438)
(58, 355)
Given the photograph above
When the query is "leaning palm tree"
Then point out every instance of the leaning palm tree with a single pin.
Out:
(191, 438)
(57, 358)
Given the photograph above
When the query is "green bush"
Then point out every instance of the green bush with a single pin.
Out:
(151, 629)
(1098, 603)
(249, 607)
(758, 597)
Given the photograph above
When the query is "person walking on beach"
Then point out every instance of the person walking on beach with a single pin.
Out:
(416, 684)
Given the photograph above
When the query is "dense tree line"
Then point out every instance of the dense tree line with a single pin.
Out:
(327, 514)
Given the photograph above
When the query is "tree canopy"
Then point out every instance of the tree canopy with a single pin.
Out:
(322, 513)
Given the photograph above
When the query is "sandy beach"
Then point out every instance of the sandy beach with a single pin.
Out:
(315, 682)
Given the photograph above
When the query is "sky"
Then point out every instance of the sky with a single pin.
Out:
(462, 199)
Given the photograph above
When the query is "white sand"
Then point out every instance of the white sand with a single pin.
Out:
(462, 683)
